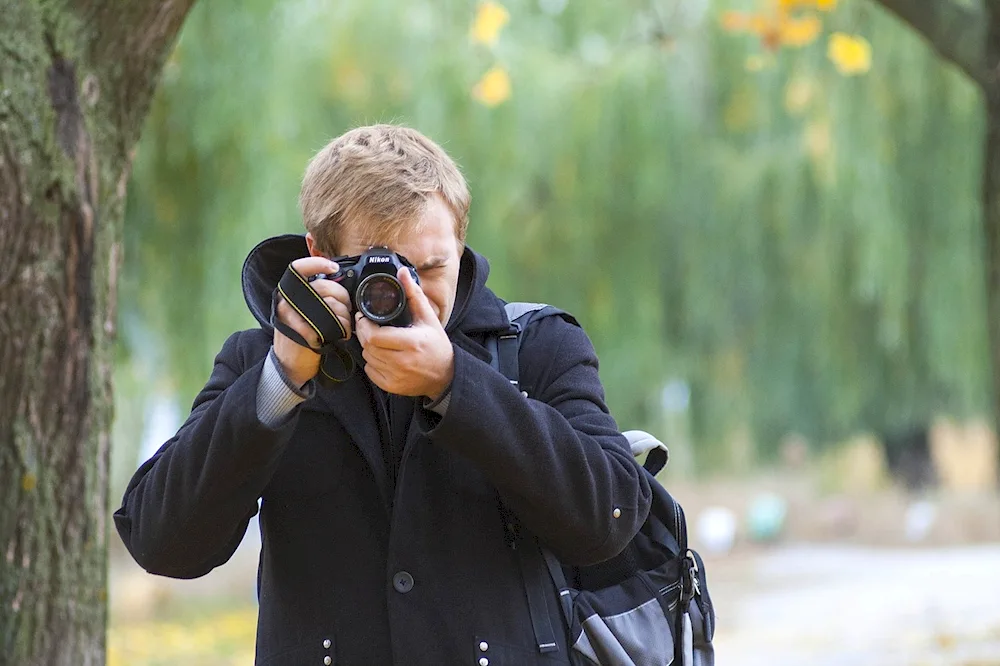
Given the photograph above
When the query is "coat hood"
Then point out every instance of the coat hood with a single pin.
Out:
(476, 309)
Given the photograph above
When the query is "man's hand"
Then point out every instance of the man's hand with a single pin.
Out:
(417, 360)
(301, 364)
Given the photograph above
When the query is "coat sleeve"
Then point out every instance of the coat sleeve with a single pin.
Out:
(557, 457)
(186, 509)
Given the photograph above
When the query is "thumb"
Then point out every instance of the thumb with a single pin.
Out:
(420, 307)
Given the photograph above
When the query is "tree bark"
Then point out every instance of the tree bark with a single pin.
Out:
(76, 79)
(991, 209)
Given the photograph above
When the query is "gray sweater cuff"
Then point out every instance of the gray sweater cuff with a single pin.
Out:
(276, 396)
(440, 405)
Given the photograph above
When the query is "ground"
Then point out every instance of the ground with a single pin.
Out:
(841, 585)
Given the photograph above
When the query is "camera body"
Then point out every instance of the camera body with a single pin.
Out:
(370, 279)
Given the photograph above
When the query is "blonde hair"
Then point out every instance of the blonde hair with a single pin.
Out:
(378, 179)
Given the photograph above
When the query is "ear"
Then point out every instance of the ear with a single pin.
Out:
(311, 244)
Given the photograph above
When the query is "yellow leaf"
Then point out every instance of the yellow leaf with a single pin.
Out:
(29, 481)
(800, 31)
(490, 20)
(850, 54)
(493, 88)
(792, 5)
(741, 22)
(734, 21)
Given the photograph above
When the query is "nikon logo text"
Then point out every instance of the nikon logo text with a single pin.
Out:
(380, 260)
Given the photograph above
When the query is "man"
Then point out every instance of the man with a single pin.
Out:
(387, 500)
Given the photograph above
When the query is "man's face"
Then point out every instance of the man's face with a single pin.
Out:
(434, 250)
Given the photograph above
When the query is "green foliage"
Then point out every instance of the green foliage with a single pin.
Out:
(801, 248)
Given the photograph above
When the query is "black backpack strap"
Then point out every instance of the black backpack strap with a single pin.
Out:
(539, 568)
(504, 348)
(537, 588)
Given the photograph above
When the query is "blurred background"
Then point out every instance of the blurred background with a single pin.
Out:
(765, 214)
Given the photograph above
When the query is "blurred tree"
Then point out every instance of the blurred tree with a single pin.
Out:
(797, 248)
(76, 79)
(966, 35)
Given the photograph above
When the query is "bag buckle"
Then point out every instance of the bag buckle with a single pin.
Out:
(692, 586)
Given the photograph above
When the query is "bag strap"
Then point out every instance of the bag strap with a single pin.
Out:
(504, 348)
(536, 589)
(539, 567)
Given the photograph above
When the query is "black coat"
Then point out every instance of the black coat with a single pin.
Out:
(366, 571)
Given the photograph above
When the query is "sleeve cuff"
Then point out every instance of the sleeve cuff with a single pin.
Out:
(439, 406)
(276, 396)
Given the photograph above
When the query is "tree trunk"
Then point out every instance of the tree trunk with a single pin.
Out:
(991, 218)
(75, 83)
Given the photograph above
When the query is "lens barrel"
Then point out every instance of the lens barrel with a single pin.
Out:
(380, 297)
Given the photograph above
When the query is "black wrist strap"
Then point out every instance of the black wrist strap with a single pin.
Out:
(305, 300)
(337, 364)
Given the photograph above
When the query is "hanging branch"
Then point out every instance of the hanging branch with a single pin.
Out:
(957, 32)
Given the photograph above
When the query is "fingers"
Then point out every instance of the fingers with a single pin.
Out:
(363, 328)
(371, 334)
(295, 321)
(387, 358)
(378, 377)
(309, 266)
(337, 299)
(420, 307)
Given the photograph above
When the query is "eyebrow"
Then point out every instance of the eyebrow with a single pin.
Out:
(433, 262)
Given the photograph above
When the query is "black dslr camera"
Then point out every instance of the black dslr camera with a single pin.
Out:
(370, 279)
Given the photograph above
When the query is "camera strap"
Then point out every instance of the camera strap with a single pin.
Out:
(337, 364)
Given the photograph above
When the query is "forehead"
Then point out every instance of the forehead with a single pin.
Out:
(431, 236)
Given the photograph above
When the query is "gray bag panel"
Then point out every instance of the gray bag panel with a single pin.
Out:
(515, 310)
(633, 638)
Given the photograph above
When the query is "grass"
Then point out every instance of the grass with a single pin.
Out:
(192, 635)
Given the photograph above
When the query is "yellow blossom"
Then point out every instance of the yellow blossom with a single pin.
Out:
(826, 5)
(774, 30)
(850, 54)
(493, 88)
(800, 31)
(490, 20)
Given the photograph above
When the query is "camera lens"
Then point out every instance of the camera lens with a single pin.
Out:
(380, 297)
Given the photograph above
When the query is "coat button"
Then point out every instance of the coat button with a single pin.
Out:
(617, 513)
(403, 582)
(484, 662)
(327, 643)
(483, 646)
(327, 660)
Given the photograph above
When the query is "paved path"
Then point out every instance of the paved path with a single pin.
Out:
(833, 605)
